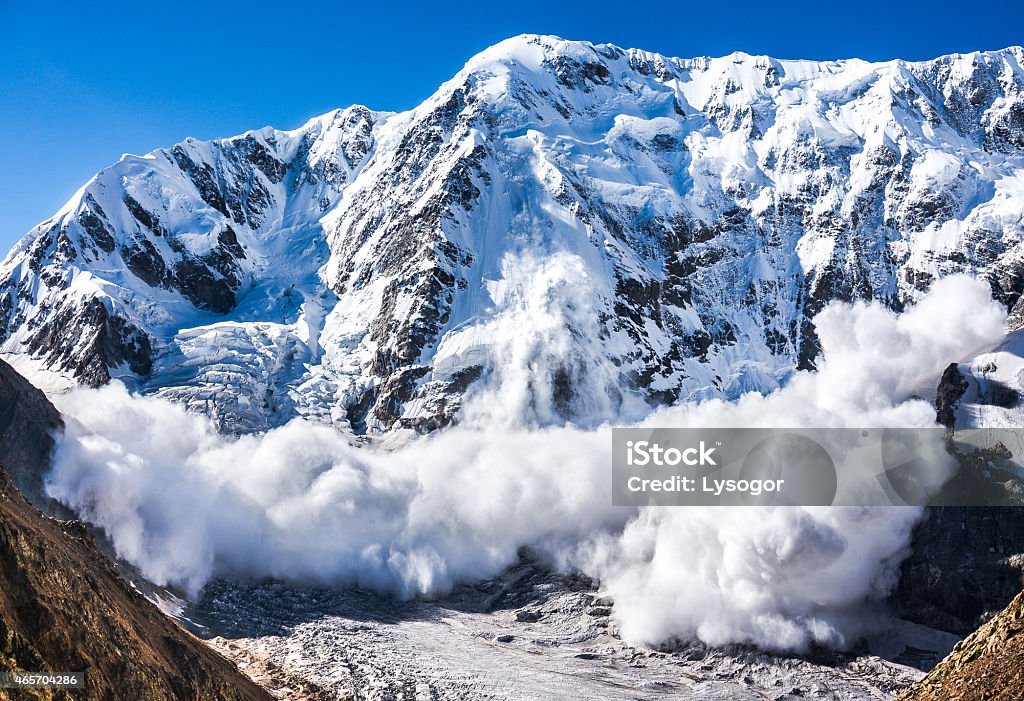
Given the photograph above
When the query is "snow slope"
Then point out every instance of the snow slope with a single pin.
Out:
(641, 229)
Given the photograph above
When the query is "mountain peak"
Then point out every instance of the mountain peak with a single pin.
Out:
(528, 50)
(359, 270)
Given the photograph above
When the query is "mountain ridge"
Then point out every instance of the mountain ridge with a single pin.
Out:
(360, 270)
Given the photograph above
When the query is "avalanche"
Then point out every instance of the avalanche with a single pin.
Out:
(565, 235)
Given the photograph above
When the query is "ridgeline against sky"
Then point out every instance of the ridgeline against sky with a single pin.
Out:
(82, 86)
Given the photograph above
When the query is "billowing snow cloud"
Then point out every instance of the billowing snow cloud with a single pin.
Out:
(301, 502)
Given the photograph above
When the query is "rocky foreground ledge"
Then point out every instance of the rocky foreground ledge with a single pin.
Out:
(988, 665)
(64, 607)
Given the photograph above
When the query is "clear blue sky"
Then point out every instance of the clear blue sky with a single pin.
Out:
(83, 83)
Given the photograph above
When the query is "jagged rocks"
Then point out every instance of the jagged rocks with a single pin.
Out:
(952, 386)
(89, 341)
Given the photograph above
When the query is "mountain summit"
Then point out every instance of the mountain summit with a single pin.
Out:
(595, 228)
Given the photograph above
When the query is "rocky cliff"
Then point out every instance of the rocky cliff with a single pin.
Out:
(27, 424)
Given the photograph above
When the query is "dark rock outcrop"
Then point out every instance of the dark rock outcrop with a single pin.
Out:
(952, 386)
(965, 566)
(88, 341)
(967, 559)
(27, 423)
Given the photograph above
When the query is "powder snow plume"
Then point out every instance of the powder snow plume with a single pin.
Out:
(185, 503)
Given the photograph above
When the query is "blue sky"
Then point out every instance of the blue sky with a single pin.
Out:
(82, 84)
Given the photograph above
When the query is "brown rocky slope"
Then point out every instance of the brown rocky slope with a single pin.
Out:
(988, 665)
(63, 607)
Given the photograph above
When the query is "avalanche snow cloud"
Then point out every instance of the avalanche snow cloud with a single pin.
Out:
(561, 237)
(301, 502)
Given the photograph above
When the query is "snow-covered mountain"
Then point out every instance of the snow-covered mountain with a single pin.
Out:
(634, 228)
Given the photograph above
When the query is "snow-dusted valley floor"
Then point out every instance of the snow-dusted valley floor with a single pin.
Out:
(529, 634)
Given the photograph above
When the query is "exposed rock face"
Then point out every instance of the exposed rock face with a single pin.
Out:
(965, 566)
(967, 562)
(988, 665)
(952, 386)
(346, 271)
(109, 342)
(63, 607)
(27, 424)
